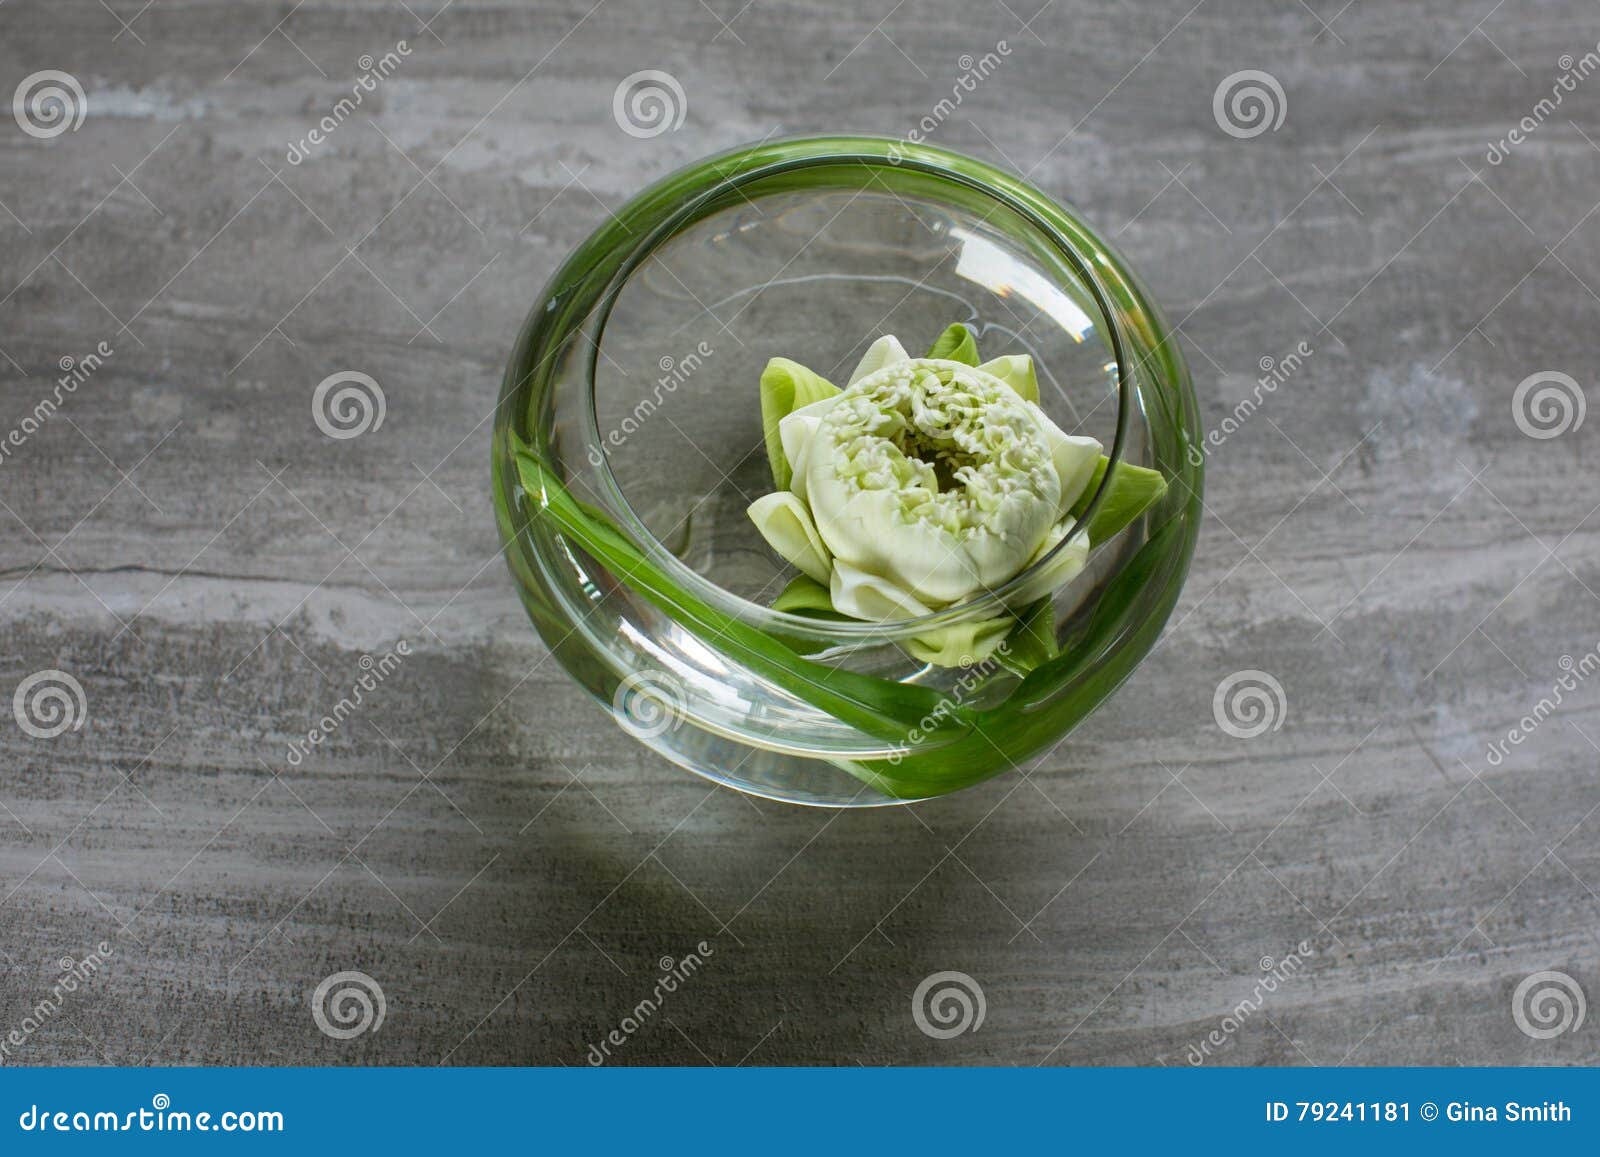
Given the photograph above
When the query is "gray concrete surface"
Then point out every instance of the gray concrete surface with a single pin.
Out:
(1383, 539)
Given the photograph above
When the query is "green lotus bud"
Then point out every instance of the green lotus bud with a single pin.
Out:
(924, 484)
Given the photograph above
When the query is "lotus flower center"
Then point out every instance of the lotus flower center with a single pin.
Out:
(955, 445)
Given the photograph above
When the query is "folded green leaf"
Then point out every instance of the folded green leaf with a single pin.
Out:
(786, 386)
(956, 344)
(1133, 490)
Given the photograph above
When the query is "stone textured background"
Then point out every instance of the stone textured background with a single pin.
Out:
(483, 842)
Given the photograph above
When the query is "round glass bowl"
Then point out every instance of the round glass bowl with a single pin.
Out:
(628, 445)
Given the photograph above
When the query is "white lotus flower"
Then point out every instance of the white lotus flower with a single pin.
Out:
(924, 484)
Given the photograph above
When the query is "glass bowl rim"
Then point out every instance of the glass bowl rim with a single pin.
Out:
(730, 171)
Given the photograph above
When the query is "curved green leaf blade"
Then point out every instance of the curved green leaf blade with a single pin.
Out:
(1133, 490)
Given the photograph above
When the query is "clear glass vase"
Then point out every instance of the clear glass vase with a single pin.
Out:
(628, 444)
